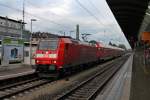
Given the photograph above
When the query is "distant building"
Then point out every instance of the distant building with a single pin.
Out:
(42, 35)
(12, 48)
(10, 27)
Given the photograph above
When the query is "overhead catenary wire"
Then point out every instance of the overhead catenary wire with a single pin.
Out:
(90, 13)
(36, 6)
(94, 16)
(99, 11)
(52, 13)
(53, 22)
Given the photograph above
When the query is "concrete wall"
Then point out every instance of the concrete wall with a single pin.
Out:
(27, 55)
(10, 28)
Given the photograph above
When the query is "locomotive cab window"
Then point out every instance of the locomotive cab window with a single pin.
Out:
(48, 44)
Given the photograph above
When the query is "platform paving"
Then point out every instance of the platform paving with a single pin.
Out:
(13, 71)
(119, 87)
(140, 85)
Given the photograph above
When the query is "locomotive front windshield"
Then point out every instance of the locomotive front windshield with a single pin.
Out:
(48, 44)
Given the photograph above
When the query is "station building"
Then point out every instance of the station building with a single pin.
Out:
(10, 30)
(10, 27)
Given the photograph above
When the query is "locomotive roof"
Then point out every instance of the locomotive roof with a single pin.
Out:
(71, 40)
(67, 40)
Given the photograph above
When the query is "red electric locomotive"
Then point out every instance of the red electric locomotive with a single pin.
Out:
(62, 54)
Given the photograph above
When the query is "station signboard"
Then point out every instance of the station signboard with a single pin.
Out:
(12, 51)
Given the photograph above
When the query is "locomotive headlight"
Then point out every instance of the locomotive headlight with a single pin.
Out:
(54, 62)
(52, 55)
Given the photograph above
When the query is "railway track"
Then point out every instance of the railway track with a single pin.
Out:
(9, 90)
(12, 90)
(17, 79)
(88, 90)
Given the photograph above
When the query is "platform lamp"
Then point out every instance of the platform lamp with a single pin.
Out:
(21, 24)
(31, 41)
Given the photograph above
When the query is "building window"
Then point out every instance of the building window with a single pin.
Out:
(9, 24)
(26, 54)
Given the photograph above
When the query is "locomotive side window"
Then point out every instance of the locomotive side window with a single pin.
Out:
(48, 44)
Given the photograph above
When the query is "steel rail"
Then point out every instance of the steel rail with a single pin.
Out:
(7, 93)
(87, 90)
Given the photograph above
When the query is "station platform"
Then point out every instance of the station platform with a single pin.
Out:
(119, 86)
(132, 82)
(140, 87)
(15, 70)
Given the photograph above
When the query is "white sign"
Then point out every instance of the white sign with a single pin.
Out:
(13, 53)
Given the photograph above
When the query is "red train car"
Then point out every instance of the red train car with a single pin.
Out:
(106, 52)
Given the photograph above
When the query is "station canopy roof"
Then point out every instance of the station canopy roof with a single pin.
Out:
(129, 14)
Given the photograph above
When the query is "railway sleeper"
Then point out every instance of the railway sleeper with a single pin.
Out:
(84, 94)
(87, 89)
(82, 91)
(79, 95)
(3, 93)
(76, 98)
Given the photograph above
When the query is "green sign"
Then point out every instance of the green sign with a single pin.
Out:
(9, 41)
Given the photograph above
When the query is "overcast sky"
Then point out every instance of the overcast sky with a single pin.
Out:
(93, 16)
